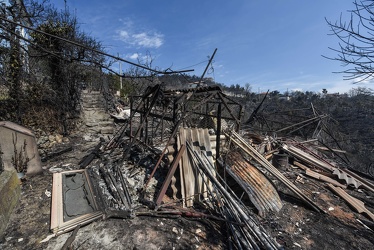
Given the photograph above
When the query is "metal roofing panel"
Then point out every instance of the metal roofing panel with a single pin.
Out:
(260, 190)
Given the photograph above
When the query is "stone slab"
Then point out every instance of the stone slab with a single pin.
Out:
(107, 130)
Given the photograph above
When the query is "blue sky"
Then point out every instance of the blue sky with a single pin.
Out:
(271, 44)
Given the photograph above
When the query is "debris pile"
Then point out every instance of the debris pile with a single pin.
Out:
(183, 153)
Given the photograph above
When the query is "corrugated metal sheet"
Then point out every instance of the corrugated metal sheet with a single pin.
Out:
(192, 184)
(260, 190)
(243, 145)
(351, 181)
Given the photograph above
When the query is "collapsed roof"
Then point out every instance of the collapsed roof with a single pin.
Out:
(182, 151)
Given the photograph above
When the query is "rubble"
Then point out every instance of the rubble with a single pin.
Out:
(182, 155)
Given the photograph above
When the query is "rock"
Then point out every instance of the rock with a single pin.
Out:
(297, 244)
(51, 138)
(87, 137)
(42, 140)
(59, 138)
(131, 182)
(48, 193)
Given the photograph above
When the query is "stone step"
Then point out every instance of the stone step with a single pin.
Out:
(106, 123)
(93, 106)
(107, 130)
(93, 129)
(102, 123)
(93, 100)
(93, 109)
(92, 92)
(96, 116)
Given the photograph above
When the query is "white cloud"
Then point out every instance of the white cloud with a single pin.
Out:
(297, 89)
(138, 57)
(154, 40)
(145, 38)
(344, 86)
(134, 56)
(123, 34)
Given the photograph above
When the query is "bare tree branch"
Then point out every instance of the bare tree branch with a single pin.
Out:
(356, 42)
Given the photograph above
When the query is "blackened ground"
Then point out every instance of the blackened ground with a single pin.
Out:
(295, 226)
(30, 221)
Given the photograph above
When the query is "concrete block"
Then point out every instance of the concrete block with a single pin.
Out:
(10, 191)
(14, 136)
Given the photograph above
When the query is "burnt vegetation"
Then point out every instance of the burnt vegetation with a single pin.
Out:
(43, 73)
(46, 61)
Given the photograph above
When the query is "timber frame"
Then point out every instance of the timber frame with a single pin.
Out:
(157, 115)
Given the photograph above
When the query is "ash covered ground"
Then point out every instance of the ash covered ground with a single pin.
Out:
(295, 227)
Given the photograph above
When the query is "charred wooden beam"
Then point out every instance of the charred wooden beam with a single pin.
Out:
(111, 187)
(71, 238)
(254, 113)
(170, 175)
(51, 155)
(87, 159)
(125, 189)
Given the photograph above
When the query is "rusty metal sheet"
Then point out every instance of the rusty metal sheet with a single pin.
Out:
(260, 190)
(248, 149)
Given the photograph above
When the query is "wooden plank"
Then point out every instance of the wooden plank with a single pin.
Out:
(321, 177)
(57, 204)
(355, 203)
(170, 174)
(318, 176)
